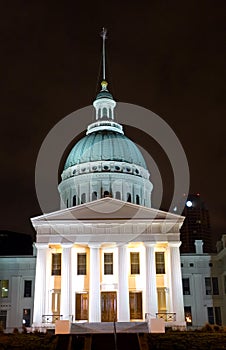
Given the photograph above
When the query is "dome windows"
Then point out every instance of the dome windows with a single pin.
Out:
(83, 198)
(117, 195)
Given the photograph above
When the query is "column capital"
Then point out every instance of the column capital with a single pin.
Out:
(66, 245)
(42, 245)
(149, 244)
(123, 245)
(174, 244)
(94, 245)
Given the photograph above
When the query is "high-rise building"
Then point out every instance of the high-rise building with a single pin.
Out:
(196, 225)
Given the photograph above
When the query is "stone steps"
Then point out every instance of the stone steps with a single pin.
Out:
(108, 327)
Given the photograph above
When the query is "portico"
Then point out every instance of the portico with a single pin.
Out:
(107, 260)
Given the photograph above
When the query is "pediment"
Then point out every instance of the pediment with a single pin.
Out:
(107, 209)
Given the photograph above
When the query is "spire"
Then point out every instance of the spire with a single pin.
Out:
(104, 103)
(103, 34)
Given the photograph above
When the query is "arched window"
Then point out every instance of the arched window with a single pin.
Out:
(99, 113)
(106, 194)
(83, 198)
(74, 200)
(137, 199)
(105, 112)
(110, 114)
(94, 196)
(67, 203)
(117, 195)
(129, 197)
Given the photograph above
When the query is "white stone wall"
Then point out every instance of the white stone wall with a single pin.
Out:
(17, 269)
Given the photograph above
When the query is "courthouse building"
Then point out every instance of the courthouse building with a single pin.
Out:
(107, 254)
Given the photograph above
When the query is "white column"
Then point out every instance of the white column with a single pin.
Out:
(123, 285)
(176, 281)
(66, 285)
(151, 289)
(41, 292)
(94, 284)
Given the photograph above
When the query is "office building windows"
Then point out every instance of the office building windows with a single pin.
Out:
(27, 289)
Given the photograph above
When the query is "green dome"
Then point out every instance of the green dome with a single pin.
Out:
(105, 145)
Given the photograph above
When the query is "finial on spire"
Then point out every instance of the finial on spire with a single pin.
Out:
(103, 34)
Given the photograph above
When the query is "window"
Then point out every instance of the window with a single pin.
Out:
(108, 263)
(106, 194)
(3, 317)
(27, 289)
(186, 286)
(118, 195)
(210, 315)
(215, 285)
(81, 264)
(56, 302)
(135, 263)
(129, 197)
(191, 265)
(188, 315)
(26, 317)
(83, 198)
(104, 112)
(137, 199)
(94, 196)
(56, 264)
(74, 200)
(160, 262)
(211, 284)
(4, 289)
(218, 319)
(161, 292)
(214, 315)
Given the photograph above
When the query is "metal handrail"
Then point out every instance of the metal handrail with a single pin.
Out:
(167, 316)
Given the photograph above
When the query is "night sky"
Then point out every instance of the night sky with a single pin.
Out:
(167, 56)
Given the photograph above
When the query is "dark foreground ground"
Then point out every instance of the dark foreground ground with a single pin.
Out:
(171, 340)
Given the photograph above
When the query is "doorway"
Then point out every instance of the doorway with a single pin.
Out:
(135, 305)
(108, 306)
(81, 302)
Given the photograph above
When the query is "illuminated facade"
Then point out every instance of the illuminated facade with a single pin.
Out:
(107, 254)
(204, 285)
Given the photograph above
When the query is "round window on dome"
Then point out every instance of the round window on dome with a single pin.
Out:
(117, 167)
(137, 171)
(83, 169)
(94, 168)
(106, 167)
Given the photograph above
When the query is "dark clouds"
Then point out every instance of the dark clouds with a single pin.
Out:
(166, 56)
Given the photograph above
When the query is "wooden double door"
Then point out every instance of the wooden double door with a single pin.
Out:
(108, 306)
